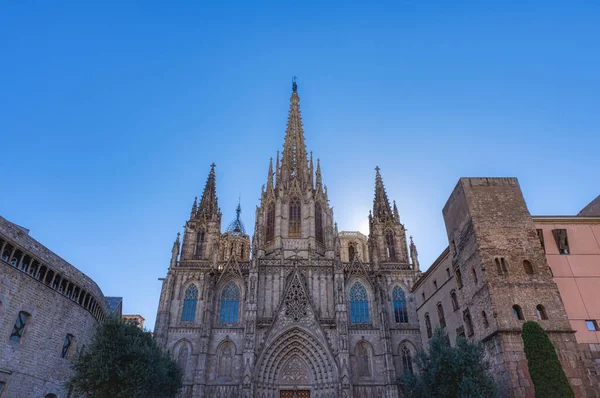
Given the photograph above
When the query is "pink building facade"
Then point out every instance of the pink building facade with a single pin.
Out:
(572, 246)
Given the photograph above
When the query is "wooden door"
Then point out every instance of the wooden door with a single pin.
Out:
(294, 394)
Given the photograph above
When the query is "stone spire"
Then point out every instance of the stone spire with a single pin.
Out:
(209, 204)
(396, 214)
(175, 251)
(319, 184)
(194, 208)
(414, 255)
(381, 204)
(294, 161)
(270, 176)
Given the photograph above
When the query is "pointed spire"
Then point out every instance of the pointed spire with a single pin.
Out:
(414, 255)
(294, 161)
(381, 204)
(237, 226)
(194, 208)
(319, 184)
(277, 175)
(175, 251)
(311, 170)
(209, 204)
(396, 214)
(270, 176)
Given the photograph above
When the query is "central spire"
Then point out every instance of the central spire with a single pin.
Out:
(294, 162)
(381, 203)
(209, 204)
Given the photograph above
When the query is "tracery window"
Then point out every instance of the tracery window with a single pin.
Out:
(66, 346)
(400, 310)
(390, 251)
(295, 229)
(359, 304)
(364, 368)
(407, 360)
(225, 360)
(230, 303)
(318, 222)
(200, 243)
(182, 358)
(189, 303)
(270, 222)
(19, 327)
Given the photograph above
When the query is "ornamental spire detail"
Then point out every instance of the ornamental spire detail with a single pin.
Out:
(294, 159)
(381, 204)
(209, 204)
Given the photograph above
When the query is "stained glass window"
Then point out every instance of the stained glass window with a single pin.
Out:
(230, 303)
(66, 346)
(189, 303)
(318, 222)
(19, 327)
(359, 304)
(400, 311)
(407, 360)
(270, 222)
(389, 245)
(295, 218)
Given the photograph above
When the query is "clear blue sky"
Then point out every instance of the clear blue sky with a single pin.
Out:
(111, 113)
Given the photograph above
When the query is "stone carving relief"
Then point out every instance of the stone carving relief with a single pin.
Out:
(296, 301)
(294, 372)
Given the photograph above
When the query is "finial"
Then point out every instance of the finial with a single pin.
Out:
(178, 235)
(294, 85)
(377, 169)
(213, 165)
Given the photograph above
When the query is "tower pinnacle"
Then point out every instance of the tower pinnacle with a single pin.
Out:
(209, 204)
(294, 162)
(381, 204)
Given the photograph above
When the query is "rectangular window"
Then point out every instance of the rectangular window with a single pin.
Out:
(448, 272)
(592, 325)
(19, 327)
(540, 234)
(458, 278)
(562, 241)
(435, 284)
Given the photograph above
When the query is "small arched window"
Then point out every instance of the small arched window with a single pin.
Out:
(182, 358)
(19, 328)
(390, 250)
(359, 304)
(270, 222)
(400, 310)
(295, 229)
(230, 303)
(407, 360)
(351, 251)
(428, 326)
(200, 242)
(364, 368)
(518, 312)
(189, 303)
(225, 360)
(528, 267)
(318, 222)
(541, 312)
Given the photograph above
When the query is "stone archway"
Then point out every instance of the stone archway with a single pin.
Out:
(296, 360)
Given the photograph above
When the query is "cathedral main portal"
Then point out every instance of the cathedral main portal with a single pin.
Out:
(294, 394)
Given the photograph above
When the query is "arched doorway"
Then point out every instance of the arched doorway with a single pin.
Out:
(295, 364)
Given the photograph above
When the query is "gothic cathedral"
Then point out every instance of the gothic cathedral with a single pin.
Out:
(301, 310)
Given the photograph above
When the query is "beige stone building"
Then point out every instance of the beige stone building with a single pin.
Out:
(48, 311)
(308, 311)
(495, 275)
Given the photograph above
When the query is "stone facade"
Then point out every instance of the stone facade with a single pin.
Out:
(53, 300)
(492, 278)
(301, 315)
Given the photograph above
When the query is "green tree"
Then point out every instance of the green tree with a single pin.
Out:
(449, 372)
(124, 361)
(545, 369)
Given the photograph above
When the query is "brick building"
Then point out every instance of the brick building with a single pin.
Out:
(495, 275)
(48, 311)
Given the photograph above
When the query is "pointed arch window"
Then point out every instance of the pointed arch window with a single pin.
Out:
(400, 310)
(364, 368)
(270, 235)
(390, 250)
(351, 251)
(182, 358)
(295, 228)
(200, 242)
(225, 360)
(359, 304)
(407, 361)
(318, 222)
(189, 303)
(230, 303)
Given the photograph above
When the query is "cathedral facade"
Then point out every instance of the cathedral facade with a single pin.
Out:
(301, 310)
